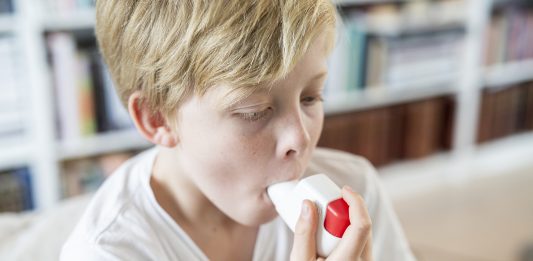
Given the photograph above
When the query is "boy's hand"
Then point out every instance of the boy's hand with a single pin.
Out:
(356, 243)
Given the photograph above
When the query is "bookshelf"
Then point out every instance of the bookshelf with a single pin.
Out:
(447, 168)
(380, 96)
(509, 73)
(364, 2)
(100, 144)
(13, 155)
(44, 153)
(77, 20)
(6, 23)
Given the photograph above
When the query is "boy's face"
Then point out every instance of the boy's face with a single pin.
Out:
(233, 155)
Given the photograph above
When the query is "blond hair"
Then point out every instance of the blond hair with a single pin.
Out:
(172, 49)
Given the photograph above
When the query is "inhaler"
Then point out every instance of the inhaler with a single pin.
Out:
(333, 218)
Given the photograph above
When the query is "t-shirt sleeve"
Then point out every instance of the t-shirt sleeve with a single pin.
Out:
(389, 241)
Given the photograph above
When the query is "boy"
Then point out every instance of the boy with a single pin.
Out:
(230, 92)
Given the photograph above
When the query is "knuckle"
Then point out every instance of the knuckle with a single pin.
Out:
(365, 226)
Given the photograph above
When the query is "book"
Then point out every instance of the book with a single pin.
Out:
(111, 114)
(336, 132)
(356, 55)
(505, 111)
(63, 51)
(87, 175)
(87, 100)
(528, 118)
(12, 110)
(80, 176)
(396, 132)
(6, 6)
(338, 64)
(376, 62)
(486, 117)
(423, 128)
(509, 35)
(86, 103)
(16, 190)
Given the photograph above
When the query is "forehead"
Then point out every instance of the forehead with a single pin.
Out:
(311, 66)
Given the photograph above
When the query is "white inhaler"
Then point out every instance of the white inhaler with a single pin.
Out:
(333, 216)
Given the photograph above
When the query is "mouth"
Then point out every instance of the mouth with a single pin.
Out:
(265, 198)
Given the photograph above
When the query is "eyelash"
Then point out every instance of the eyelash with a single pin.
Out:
(255, 116)
(311, 100)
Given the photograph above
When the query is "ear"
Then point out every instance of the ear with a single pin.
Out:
(152, 126)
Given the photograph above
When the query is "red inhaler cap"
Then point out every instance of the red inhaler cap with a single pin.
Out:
(337, 217)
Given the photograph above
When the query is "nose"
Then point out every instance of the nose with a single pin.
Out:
(293, 137)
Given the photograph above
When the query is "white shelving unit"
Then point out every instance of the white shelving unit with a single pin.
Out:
(44, 153)
(494, 158)
(467, 159)
(83, 19)
(13, 155)
(510, 73)
(379, 96)
(362, 2)
(101, 144)
(6, 23)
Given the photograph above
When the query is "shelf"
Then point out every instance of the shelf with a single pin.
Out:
(80, 19)
(102, 144)
(397, 29)
(405, 178)
(518, 150)
(13, 154)
(372, 97)
(7, 24)
(365, 2)
(507, 74)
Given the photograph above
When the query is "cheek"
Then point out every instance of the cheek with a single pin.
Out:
(314, 124)
(226, 154)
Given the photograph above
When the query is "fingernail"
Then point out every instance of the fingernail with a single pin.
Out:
(348, 188)
(305, 211)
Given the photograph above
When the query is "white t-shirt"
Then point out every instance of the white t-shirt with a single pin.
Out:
(124, 221)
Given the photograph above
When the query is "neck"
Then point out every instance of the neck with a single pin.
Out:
(219, 237)
(181, 198)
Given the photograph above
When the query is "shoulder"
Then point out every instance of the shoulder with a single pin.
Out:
(115, 208)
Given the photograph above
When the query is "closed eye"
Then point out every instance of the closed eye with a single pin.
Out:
(253, 116)
(311, 100)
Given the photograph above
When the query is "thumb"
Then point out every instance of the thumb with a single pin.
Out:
(304, 245)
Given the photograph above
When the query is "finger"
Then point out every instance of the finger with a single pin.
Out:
(356, 235)
(304, 244)
(367, 251)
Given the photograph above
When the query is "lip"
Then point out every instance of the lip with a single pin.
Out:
(266, 198)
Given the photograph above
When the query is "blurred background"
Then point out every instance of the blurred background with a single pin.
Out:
(438, 94)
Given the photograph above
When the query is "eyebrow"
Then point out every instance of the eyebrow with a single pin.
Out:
(318, 76)
(233, 96)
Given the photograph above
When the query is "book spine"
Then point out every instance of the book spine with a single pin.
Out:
(16, 191)
(384, 135)
(85, 97)
(64, 63)
(117, 114)
(6, 6)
